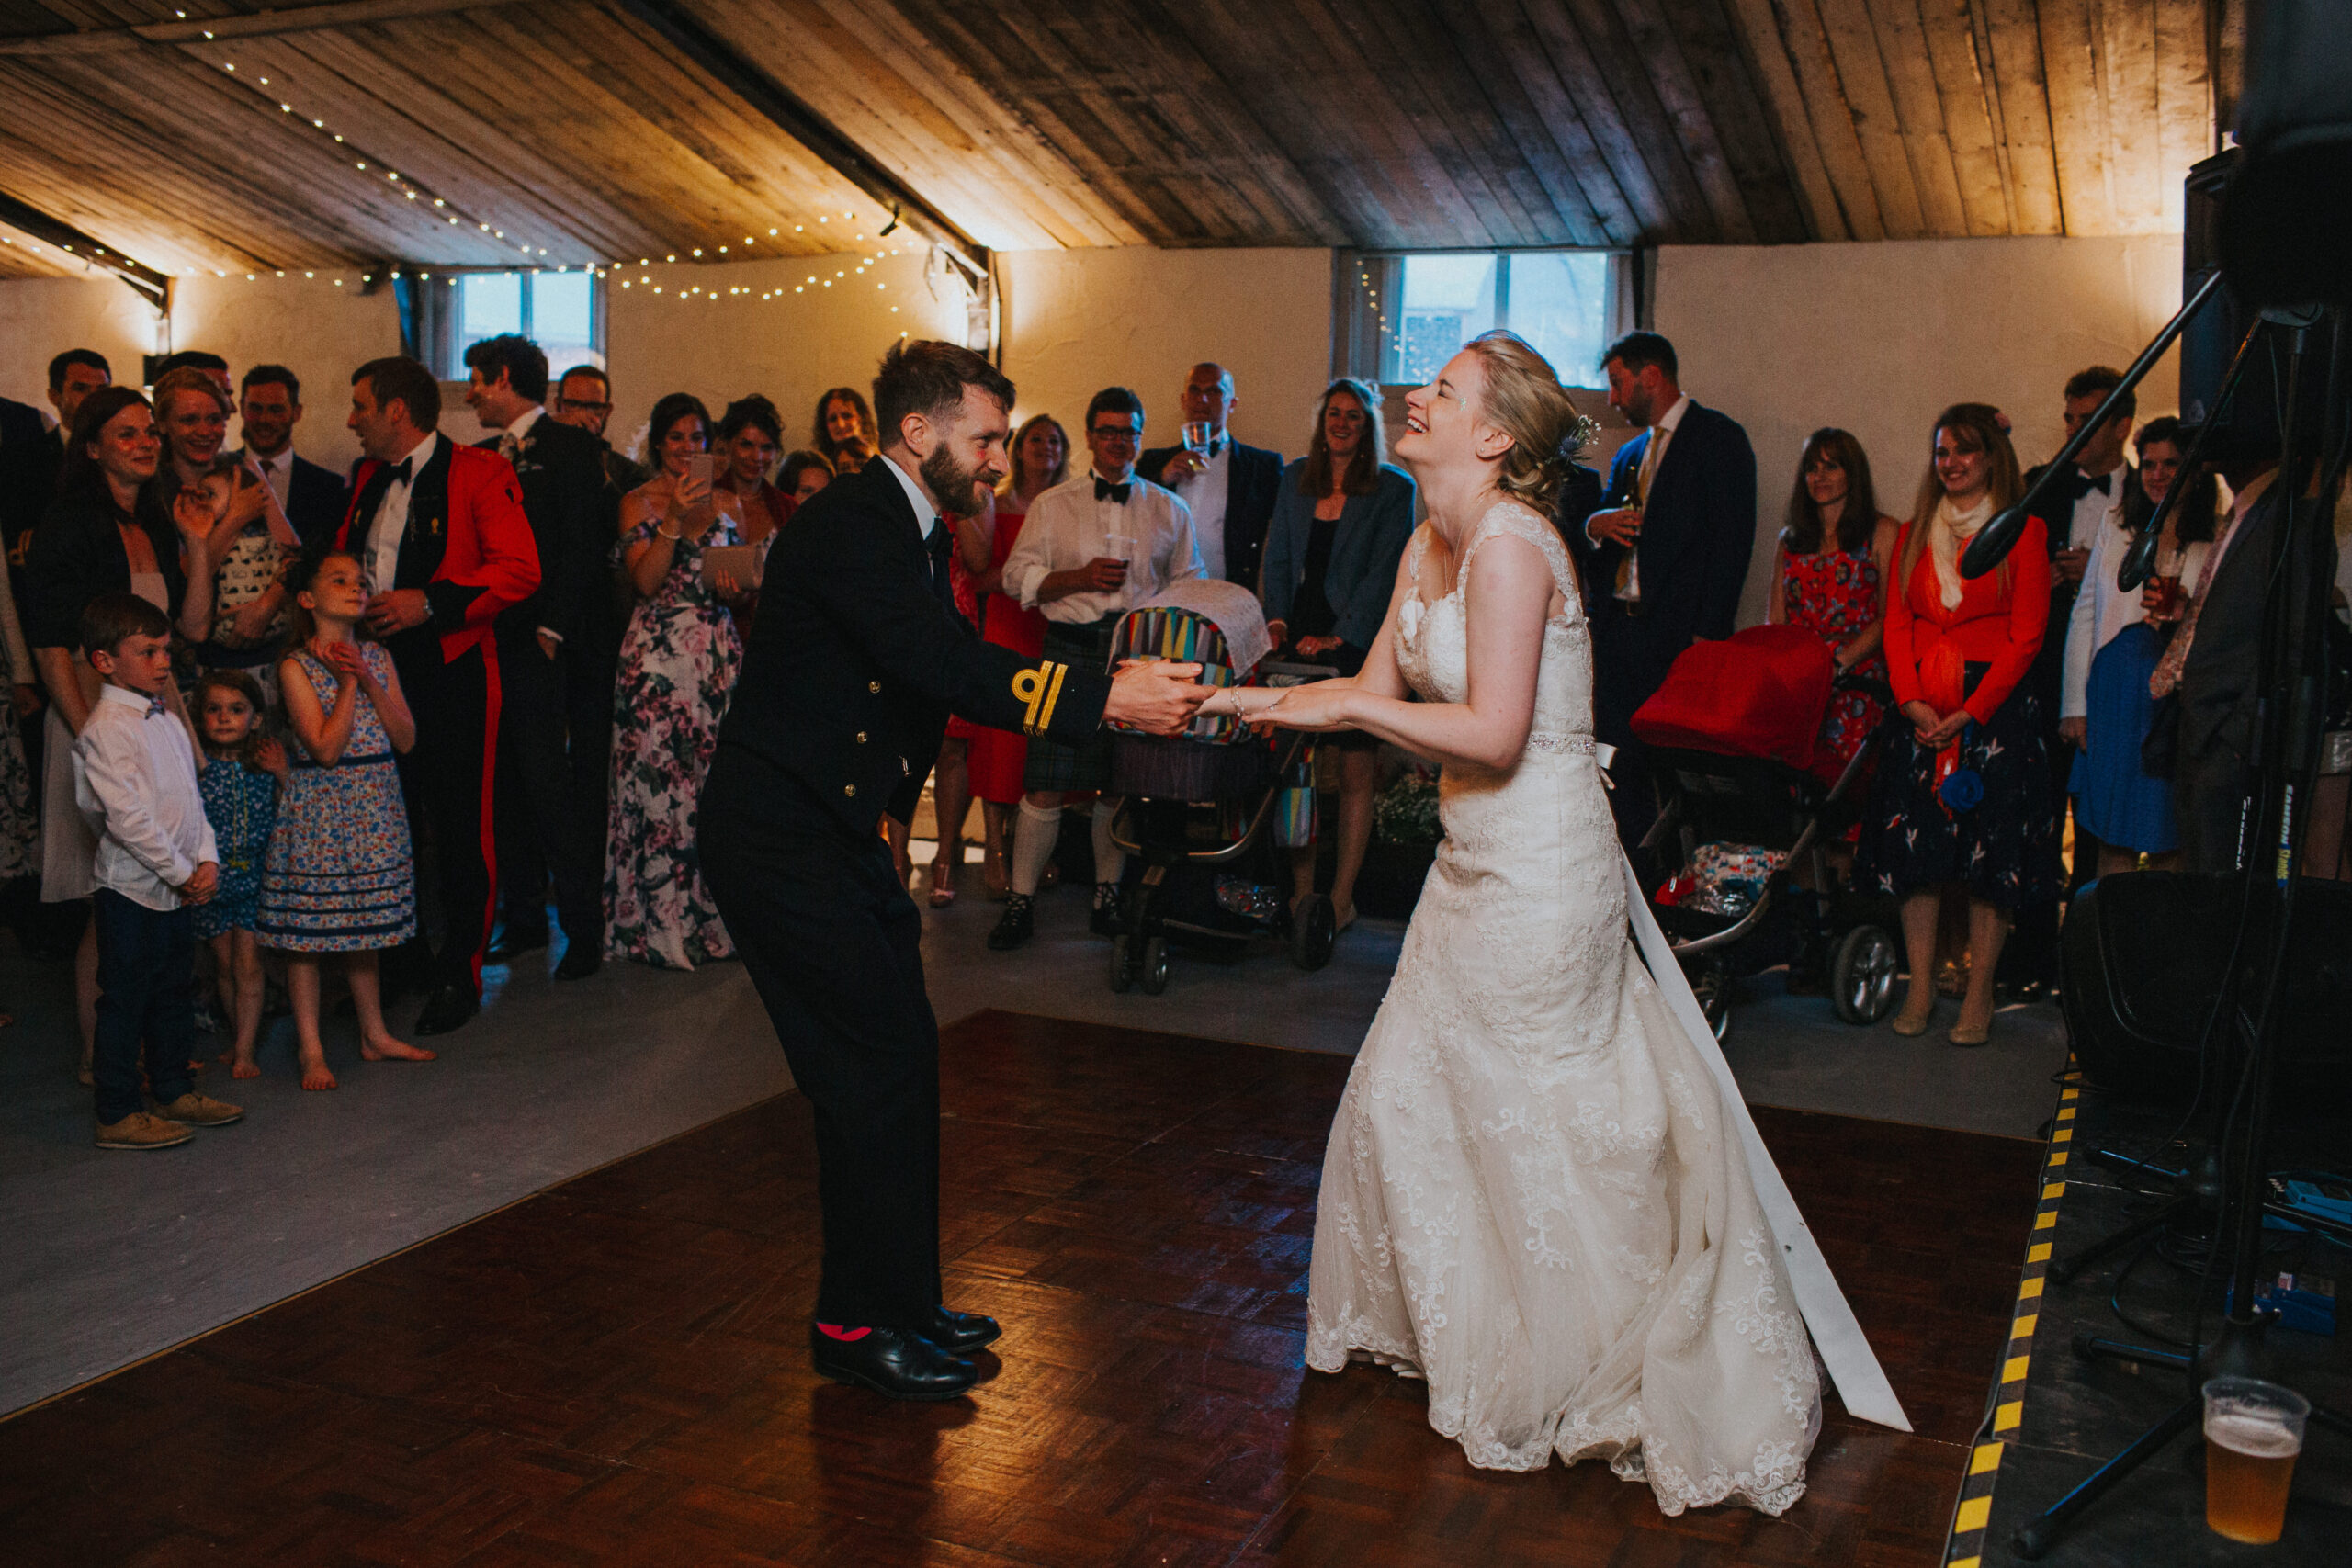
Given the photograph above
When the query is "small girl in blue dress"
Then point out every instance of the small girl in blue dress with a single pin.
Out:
(244, 771)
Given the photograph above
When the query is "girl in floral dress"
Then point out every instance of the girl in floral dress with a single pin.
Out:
(678, 665)
(1835, 558)
(244, 771)
(340, 876)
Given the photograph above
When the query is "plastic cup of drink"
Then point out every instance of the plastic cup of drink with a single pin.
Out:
(2167, 597)
(2253, 1432)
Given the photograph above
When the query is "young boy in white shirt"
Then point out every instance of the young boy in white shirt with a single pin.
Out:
(134, 777)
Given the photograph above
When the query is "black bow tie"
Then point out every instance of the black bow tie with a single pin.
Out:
(2099, 483)
(1105, 491)
(400, 471)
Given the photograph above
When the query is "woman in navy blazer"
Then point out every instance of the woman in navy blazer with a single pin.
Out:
(1341, 521)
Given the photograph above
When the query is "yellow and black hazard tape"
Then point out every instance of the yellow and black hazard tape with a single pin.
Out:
(1964, 1548)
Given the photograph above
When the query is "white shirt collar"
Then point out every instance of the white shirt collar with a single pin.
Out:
(1672, 418)
(524, 421)
(418, 455)
(926, 514)
(123, 696)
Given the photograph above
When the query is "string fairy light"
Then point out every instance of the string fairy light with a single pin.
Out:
(454, 215)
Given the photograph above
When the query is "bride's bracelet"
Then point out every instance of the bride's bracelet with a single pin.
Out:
(1226, 702)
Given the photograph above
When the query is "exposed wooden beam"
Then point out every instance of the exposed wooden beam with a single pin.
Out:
(142, 280)
(687, 34)
(259, 24)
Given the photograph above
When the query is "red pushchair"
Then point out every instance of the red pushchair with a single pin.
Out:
(1749, 804)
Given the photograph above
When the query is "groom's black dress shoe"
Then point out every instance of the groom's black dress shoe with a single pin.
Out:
(893, 1363)
(961, 1333)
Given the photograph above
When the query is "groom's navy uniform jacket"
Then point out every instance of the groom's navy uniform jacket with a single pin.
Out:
(858, 656)
(855, 663)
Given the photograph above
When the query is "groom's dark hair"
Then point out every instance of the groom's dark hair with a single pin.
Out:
(928, 378)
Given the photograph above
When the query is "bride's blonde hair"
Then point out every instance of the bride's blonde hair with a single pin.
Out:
(1525, 400)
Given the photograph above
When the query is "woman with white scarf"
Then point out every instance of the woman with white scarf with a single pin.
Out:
(1963, 797)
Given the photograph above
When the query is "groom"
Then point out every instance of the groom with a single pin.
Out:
(857, 659)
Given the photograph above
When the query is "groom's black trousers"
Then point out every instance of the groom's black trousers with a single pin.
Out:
(832, 944)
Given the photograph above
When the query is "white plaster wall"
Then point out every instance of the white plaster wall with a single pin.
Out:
(721, 345)
(1076, 321)
(320, 332)
(1880, 337)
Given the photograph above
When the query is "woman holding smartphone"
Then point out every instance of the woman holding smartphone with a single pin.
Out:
(678, 663)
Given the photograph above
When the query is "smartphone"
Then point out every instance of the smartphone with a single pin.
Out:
(702, 467)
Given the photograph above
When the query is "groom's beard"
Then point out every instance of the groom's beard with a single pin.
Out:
(954, 486)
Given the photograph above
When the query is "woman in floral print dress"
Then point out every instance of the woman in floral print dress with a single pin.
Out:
(678, 666)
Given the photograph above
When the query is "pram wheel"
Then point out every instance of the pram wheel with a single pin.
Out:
(1861, 975)
(1123, 963)
(1155, 965)
(1711, 983)
(1311, 933)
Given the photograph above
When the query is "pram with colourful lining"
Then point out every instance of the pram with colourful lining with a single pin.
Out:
(1198, 811)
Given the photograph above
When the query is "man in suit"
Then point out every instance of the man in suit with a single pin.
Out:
(31, 453)
(547, 790)
(584, 398)
(1670, 546)
(2215, 664)
(443, 547)
(1229, 489)
(269, 406)
(855, 663)
(2081, 503)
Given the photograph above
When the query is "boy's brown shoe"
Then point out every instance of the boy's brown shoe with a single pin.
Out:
(142, 1130)
(202, 1110)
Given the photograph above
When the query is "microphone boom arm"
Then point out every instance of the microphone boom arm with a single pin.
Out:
(1993, 541)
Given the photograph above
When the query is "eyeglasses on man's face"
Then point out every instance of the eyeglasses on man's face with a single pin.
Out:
(580, 405)
(1116, 435)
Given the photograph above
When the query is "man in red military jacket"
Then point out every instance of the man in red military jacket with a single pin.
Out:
(443, 547)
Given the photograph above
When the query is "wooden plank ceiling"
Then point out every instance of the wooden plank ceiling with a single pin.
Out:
(451, 133)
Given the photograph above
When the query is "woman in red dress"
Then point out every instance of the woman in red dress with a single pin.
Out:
(988, 762)
(1961, 801)
(1836, 558)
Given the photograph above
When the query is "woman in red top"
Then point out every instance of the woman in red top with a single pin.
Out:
(1963, 797)
(993, 758)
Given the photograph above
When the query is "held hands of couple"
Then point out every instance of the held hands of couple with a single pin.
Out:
(1156, 695)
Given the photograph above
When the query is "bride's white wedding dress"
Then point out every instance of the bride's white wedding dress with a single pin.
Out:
(1532, 1197)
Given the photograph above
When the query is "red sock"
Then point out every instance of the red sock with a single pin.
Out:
(848, 1336)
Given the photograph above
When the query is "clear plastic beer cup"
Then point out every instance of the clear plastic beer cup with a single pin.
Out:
(2253, 1432)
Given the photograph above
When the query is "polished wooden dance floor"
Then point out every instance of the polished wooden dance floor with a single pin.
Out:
(614, 1371)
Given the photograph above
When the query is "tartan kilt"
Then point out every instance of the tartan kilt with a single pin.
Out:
(1053, 766)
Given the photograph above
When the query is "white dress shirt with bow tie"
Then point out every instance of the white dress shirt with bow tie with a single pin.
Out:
(1070, 526)
(134, 778)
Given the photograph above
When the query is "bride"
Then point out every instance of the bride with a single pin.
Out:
(1532, 1197)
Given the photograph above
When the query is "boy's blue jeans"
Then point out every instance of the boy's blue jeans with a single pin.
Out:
(146, 990)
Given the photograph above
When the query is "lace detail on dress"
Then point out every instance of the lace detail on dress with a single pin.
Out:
(1526, 1124)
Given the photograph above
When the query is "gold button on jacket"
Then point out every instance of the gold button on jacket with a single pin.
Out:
(850, 790)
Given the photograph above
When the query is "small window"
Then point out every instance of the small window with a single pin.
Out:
(1409, 314)
(560, 311)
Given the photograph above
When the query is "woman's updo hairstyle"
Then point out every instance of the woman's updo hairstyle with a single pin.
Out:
(1525, 400)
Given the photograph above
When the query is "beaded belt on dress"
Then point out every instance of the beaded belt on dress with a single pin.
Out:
(1574, 745)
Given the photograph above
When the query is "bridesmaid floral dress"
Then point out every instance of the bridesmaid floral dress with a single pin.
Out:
(1833, 595)
(678, 665)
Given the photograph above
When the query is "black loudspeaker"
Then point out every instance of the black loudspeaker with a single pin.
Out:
(2143, 955)
(2252, 422)
(2286, 234)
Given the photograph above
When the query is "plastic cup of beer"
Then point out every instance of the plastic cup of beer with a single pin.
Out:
(2169, 597)
(2253, 1432)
